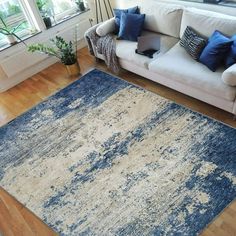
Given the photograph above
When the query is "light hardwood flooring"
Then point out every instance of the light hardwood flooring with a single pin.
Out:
(15, 219)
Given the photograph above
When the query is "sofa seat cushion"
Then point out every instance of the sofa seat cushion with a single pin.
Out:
(178, 65)
(126, 49)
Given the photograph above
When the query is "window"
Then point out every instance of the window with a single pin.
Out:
(59, 10)
(229, 3)
(14, 16)
(22, 19)
(62, 8)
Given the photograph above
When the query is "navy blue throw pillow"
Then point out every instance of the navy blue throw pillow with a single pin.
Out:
(193, 43)
(132, 10)
(231, 58)
(131, 26)
(216, 50)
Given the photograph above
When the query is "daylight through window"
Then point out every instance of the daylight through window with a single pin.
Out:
(59, 10)
(19, 19)
(14, 22)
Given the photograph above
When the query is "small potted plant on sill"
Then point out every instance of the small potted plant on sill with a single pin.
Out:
(10, 32)
(80, 5)
(65, 51)
(41, 4)
(47, 21)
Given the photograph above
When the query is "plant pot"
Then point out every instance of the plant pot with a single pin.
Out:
(47, 22)
(81, 6)
(11, 39)
(73, 70)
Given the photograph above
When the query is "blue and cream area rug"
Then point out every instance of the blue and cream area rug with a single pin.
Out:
(104, 157)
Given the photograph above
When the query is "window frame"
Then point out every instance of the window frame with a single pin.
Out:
(67, 14)
(35, 20)
(24, 34)
(221, 3)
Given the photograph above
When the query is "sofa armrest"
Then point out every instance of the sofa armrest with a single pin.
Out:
(229, 75)
(106, 27)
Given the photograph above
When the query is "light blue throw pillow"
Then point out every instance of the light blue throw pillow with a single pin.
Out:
(131, 26)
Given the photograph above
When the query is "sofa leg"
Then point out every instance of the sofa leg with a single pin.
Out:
(97, 60)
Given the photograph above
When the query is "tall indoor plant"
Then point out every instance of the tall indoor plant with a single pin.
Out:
(65, 51)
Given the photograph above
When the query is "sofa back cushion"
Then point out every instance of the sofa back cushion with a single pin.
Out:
(163, 18)
(206, 22)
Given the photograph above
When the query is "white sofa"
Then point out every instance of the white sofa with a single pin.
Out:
(173, 66)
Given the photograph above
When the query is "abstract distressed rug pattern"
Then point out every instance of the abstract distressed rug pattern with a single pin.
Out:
(104, 157)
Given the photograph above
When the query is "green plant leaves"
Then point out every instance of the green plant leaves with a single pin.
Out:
(61, 49)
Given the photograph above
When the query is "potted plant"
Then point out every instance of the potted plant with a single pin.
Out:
(65, 51)
(41, 4)
(80, 4)
(10, 32)
(47, 21)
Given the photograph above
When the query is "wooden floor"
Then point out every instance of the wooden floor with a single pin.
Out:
(15, 219)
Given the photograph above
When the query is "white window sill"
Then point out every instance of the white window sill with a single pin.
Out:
(69, 17)
(56, 27)
(6, 46)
